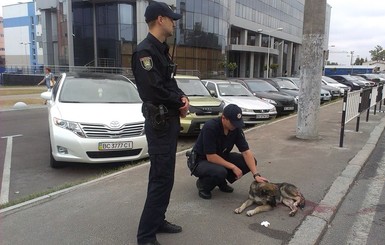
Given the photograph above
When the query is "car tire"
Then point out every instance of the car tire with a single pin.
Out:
(53, 163)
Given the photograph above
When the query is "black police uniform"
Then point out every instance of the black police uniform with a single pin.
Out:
(212, 140)
(153, 68)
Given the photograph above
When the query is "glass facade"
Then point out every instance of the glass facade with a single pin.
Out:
(115, 33)
(202, 35)
(286, 14)
(105, 33)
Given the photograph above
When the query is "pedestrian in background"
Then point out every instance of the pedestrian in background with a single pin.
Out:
(163, 104)
(49, 79)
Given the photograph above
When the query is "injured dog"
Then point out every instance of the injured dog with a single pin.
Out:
(267, 195)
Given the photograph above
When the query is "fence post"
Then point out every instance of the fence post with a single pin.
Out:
(343, 119)
(359, 112)
(370, 102)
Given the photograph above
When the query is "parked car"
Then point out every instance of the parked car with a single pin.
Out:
(94, 118)
(285, 104)
(203, 106)
(374, 78)
(331, 82)
(284, 86)
(350, 81)
(326, 94)
(254, 110)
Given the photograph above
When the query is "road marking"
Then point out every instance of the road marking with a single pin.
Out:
(4, 197)
(360, 230)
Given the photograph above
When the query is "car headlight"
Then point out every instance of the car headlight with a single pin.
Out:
(270, 101)
(274, 110)
(71, 126)
(355, 84)
(247, 110)
(296, 98)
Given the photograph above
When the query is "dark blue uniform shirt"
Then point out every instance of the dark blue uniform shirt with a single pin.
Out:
(152, 68)
(212, 140)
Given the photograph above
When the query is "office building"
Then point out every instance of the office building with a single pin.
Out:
(20, 30)
(253, 34)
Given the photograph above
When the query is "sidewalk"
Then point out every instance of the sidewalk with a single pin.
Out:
(106, 211)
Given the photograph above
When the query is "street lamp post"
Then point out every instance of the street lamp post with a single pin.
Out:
(25, 51)
(351, 61)
(268, 50)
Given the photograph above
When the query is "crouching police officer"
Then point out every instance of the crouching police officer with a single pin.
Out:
(163, 104)
(213, 162)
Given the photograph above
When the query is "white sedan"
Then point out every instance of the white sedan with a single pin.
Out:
(95, 118)
(254, 110)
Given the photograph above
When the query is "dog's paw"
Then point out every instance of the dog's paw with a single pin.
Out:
(250, 213)
(292, 213)
(238, 211)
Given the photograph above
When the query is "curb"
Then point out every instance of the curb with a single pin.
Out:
(314, 226)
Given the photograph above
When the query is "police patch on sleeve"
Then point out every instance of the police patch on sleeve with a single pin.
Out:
(146, 63)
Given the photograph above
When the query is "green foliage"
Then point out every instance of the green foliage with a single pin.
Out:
(274, 66)
(231, 66)
(359, 61)
(378, 53)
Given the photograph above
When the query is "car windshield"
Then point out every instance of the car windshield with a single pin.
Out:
(192, 87)
(285, 84)
(350, 78)
(88, 90)
(233, 89)
(296, 81)
(330, 80)
(261, 86)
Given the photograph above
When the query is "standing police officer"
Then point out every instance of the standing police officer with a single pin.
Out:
(163, 104)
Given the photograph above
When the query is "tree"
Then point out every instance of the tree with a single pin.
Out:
(229, 66)
(359, 61)
(378, 53)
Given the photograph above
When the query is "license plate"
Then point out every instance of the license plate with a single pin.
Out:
(260, 116)
(288, 108)
(111, 146)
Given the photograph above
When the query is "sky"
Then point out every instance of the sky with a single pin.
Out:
(355, 25)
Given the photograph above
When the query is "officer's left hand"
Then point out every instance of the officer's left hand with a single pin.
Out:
(183, 110)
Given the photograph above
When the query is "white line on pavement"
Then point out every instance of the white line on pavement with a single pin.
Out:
(4, 197)
(360, 230)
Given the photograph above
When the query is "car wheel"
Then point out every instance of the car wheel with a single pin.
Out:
(53, 163)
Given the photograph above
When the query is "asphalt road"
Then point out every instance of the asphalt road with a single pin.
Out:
(24, 138)
(361, 217)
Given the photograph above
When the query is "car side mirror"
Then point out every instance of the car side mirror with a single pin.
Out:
(212, 92)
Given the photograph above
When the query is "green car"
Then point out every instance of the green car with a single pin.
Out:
(203, 106)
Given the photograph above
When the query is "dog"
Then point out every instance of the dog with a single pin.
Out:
(266, 195)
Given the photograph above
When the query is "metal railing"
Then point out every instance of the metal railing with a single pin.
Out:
(357, 102)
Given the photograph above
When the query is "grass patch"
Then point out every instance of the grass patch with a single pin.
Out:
(11, 102)
(21, 90)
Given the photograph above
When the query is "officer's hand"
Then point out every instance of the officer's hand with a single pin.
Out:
(237, 172)
(261, 179)
(183, 110)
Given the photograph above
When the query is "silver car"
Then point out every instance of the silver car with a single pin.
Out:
(254, 110)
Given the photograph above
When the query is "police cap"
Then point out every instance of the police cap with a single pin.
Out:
(155, 9)
(234, 114)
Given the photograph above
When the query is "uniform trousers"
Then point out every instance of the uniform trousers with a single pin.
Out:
(211, 175)
(162, 146)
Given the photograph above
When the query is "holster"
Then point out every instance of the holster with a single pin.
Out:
(192, 162)
(156, 115)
